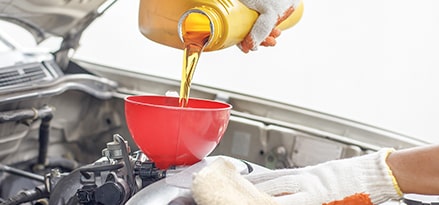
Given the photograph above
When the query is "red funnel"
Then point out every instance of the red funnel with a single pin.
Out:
(172, 135)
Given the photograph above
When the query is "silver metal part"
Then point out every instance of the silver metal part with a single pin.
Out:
(114, 150)
(178, 185)
(416, 199)
(99, 87)
(158, 193)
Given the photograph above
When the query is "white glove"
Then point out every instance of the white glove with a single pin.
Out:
(367, 175)
(271, 14)
(333, 180)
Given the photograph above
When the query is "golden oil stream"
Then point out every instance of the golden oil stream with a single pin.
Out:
(196, 33)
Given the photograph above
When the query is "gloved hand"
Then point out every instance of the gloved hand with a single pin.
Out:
(271, 14)
(367, 177)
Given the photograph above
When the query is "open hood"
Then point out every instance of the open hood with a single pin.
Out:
(45, 18)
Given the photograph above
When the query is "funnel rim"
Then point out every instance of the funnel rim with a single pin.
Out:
(225, 106)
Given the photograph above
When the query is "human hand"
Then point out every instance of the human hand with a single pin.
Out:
(271, 14)
(361, 180)
(365, 177)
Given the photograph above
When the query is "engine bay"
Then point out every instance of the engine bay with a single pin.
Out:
(64, 139)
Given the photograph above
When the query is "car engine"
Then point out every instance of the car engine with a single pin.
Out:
(64, 138)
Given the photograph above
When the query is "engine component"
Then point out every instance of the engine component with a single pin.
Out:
(28, 195)
(45, 113)
(22, 173)
(111, 180)
(118, 177)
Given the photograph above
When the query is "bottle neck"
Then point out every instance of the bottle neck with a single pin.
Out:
(200, 20)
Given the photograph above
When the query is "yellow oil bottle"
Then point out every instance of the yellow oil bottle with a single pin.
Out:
(199, 25)
(228, 21)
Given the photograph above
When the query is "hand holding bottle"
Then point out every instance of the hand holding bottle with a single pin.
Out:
(264, 31)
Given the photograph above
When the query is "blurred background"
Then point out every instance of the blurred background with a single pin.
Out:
(374, 62)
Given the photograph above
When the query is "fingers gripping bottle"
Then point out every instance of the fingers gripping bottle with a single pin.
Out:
(226, 21)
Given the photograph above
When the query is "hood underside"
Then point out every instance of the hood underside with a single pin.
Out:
(45, 18)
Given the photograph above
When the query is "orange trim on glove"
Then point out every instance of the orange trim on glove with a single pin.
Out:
(356, 199)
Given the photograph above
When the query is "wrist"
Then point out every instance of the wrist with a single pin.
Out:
(415, 169)
(394, 180)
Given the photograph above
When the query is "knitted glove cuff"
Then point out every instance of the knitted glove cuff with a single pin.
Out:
(368, 174)
(377, 178)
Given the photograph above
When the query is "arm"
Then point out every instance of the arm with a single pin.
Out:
(368, 178)
(416, 169)
(361, 180)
